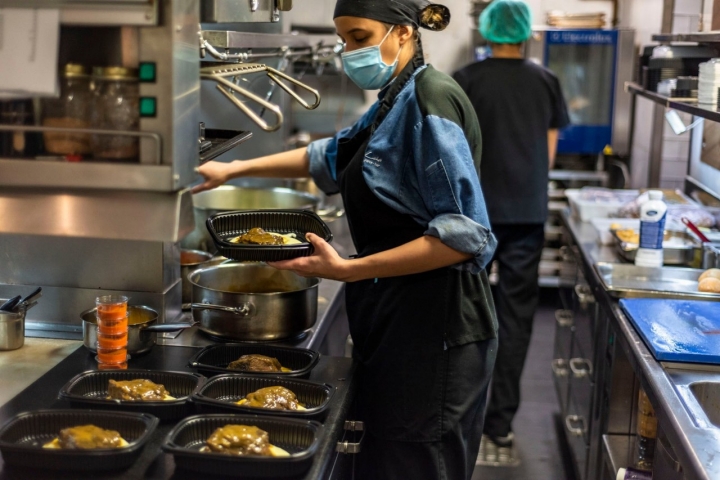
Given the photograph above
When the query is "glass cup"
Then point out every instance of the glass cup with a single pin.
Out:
(112, 355)
(112, 322)
(111, 307)
(112, 341)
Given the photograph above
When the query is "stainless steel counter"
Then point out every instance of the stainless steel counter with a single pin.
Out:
(692, 435)
(19, 368)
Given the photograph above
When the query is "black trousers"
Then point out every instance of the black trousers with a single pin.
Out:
(516, 298)
(469, 368)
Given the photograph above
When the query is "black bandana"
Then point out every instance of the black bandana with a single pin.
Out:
(394, 12)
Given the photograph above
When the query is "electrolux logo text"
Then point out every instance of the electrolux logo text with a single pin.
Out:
(581, 37)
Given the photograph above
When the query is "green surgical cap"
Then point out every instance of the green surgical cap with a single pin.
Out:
(506, 21)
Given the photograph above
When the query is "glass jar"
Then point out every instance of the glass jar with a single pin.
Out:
(116, 98)
(70, 110)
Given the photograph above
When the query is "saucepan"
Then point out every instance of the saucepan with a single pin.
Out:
(253, 302)
(142, 329)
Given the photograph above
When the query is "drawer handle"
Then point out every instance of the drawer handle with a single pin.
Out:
(349, 447)
(560, 367)
(584, 294)
(566, 254)
(571, 420)
(580, 367)
(564, 318)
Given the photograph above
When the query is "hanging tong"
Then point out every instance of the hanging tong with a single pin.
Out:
(220, 73)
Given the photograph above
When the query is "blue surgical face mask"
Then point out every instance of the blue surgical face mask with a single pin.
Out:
(366, 67)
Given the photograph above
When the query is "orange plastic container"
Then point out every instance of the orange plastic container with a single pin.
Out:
(112, 355)
(112, 327)
(112, 341)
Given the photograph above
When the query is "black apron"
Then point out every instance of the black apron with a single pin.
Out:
(398, 324)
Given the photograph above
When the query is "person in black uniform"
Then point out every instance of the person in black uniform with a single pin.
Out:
(520, 108)
(418, 299)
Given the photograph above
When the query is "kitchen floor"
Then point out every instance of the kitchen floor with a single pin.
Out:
(535, 423)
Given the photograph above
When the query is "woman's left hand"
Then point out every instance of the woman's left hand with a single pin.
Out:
(324, 263)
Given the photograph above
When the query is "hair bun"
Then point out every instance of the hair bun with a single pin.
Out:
(435, 17)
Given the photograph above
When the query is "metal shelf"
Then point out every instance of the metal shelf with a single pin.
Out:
(707, 112)
(222, 141)
(699, 37)
(242, 40)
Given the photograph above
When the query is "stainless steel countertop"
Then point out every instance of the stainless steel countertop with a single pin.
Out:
(696, 443)
(19, 368)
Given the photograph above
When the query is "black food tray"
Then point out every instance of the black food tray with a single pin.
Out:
(22, 438)
(299, 437)
(90, 389)
(220, 394)
(221, 141)
(225, 226)
(214, 359)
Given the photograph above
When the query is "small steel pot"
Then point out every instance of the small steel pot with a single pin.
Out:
(253, 302)
(191, 260)
(142, 329)
(12, 328)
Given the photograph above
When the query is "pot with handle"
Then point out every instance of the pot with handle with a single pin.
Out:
(253, 302)
(142, 329)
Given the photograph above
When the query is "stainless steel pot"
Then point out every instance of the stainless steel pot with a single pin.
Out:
(191, 260)
(228, 198)
(142, 329)
(12, 328)
(253, 302)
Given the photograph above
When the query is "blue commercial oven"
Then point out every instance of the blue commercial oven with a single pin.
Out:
(592, 66)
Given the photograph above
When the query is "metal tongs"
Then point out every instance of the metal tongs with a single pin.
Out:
(220, 73)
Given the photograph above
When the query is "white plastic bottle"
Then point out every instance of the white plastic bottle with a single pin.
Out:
(652, 229)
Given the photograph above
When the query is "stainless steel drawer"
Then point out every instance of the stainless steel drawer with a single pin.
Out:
(581, 387)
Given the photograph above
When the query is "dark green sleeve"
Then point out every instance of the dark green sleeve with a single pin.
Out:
(438, 94)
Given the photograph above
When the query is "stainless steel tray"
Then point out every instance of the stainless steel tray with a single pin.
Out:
(628, 281)
(688, 255)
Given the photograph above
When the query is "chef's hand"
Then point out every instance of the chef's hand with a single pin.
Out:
(324, 263)
(215, 173)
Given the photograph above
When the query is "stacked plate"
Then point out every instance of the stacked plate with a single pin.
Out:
(709, 82)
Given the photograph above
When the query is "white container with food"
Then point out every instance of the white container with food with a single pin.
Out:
(591, 202)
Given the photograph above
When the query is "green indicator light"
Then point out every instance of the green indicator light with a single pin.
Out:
(148, 106)
(147, 72)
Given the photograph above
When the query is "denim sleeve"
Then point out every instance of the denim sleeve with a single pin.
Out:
(450, 187)
(323, 153)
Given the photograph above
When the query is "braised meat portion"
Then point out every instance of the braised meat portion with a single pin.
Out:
(136, 390)
(274, 398)
(239, 440)
(88, 437)
(258, 236)
(256, 363)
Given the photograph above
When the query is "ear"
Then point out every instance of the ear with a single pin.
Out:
(404, 33)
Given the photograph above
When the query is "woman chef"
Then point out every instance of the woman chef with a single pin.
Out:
(421, 314)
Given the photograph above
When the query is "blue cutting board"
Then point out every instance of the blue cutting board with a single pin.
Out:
(677, 330)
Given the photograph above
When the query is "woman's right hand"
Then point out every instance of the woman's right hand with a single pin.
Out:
(215, 174)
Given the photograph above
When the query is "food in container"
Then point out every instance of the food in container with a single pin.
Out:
(257, 363)
(273, 398)
(137, 390)
(593, 202)
(258, 236)
(242, 440)
(87, 437)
